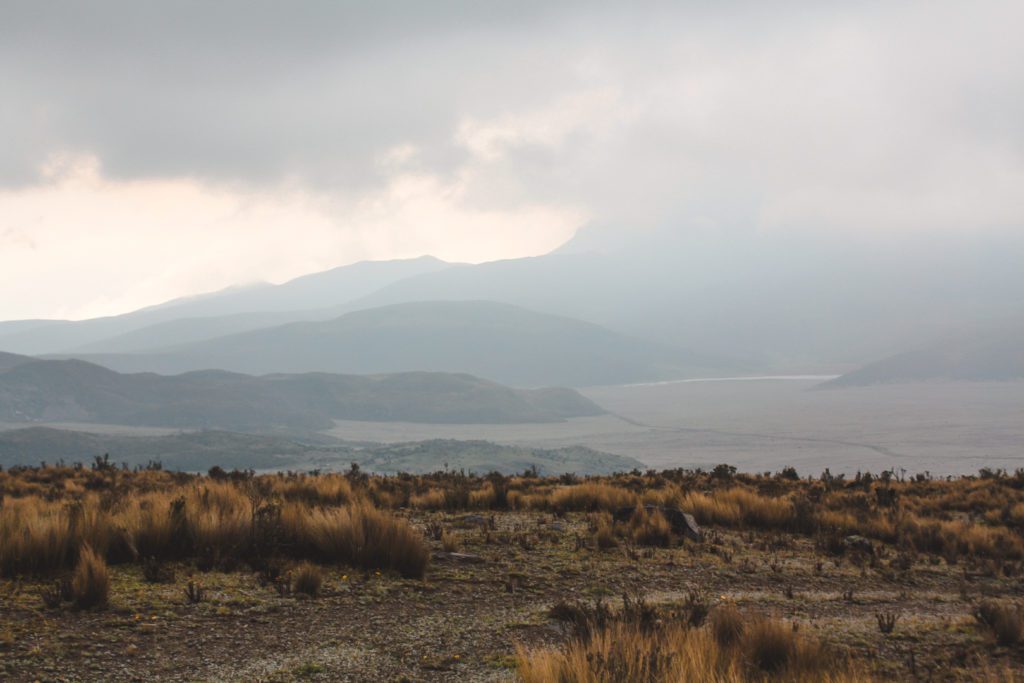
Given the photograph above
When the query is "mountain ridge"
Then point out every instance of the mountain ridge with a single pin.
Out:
(324, 289)
(501, 342)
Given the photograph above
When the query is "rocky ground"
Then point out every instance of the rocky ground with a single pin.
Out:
(464, 621)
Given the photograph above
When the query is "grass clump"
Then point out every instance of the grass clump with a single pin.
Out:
(449, 542)
(639, 644)
(1003, 620)
(90, 582)
(307, 579)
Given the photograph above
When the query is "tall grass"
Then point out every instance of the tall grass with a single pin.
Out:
(726, 651)
(48, 513)
(216, 519)
(90, 582)
(357, 534)
(590, 497)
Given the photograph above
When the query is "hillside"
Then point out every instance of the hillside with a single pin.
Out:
(501, 342)
(765, 302)
(239, 308)
(989, 355)
(10, 360)
(74, 390)
(201, 450)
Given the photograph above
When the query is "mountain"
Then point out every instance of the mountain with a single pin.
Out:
(982, 355)
(77, 391)
(199, 451)
(498, 341)
(764, 301)
(775, 301)
(239, 308)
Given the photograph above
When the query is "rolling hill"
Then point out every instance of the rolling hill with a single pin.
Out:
(10, 360)
(201, 450)
(983, 355)
(501, 342)
(77, 391)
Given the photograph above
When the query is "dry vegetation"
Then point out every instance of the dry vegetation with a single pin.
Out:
(729, 607)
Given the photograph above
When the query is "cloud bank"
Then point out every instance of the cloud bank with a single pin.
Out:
(162, 149)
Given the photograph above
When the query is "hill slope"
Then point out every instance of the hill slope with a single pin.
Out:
(74, 390)
(10, 360)
(776, 303)
(501, 342)
(241, 308)
(199, 451)
(990, 355)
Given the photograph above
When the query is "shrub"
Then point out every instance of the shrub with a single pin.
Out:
(650, 528)
(773, 645)
(624, 651)
(154, 571)
(603, 530)
(1005, 621)
(591, 497)
(449, 542)
(195, 593)
(307, 579)
(361, 535)
(886, 621)
(90, 582)
(726, 624)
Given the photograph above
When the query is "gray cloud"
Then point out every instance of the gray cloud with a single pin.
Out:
(259, 91)
(855, 118)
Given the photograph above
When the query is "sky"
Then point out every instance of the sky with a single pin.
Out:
(160, 149)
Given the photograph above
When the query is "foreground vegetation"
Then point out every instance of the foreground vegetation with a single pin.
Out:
(544, 579)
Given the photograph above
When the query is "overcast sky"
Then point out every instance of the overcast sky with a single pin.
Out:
(153, 150)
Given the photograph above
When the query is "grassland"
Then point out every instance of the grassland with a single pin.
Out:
(109, 574)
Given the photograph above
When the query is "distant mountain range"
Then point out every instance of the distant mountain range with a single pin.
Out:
(199, 451)
(501, 342)
(202, 317)
(703, 300)
(77, 391)
(990, 354)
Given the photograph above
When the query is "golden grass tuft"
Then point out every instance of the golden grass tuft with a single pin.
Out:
(307, 579)
(650, 527)
(590, 497)
(358, 534)
(90, 582)
(626, 651)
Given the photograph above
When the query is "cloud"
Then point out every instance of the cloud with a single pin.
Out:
(102, 246)
(478, 130)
